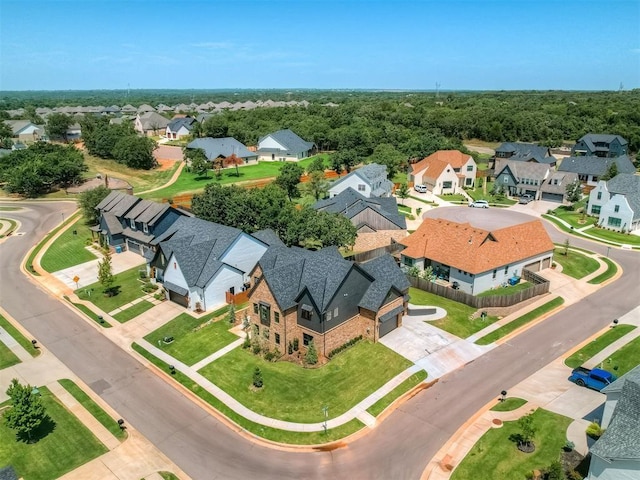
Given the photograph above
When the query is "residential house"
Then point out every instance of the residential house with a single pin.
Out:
(616, 454)
(519, 178)
(129, 109)
(369, 180)
(600, 145)
(590, 168)
(201, 263)
(283, 145)
(144, 108)
(215, 148)
(554, 188)
(25, 131)
(432, 170)
(130, 223)
(180, 127)
(74, 131)
(477, 259)
(616, 203)
(377, 219)
(521, 152)
(150, 124)
(300, 296)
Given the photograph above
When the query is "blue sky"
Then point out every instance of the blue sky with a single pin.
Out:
(476, 45)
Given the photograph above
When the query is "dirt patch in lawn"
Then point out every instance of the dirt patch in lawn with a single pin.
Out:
(165, 164)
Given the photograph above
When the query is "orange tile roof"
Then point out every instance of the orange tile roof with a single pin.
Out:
(454, 158)
(475, 250)
(431, 169)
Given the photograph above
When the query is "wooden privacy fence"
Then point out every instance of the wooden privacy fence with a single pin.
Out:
(540, 286)
(375, 253)
(238, 298)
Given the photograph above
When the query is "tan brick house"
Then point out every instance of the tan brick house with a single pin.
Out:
(300, 296)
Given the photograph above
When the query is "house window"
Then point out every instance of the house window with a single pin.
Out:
(505, 179)
(469, 168)
(408, 261)
(595, 209)
(276, 317)
(306, 339)
(616, 208)
(468, 181)
(506, 269)
(255, 308)
(255, 279)
(327, 316)
(265, 313)
(446, 184)
(614, 222)
(307, 312)
(361, 187)
(175, 265)
(277, 338)
(495, 272)
(132, 223)
(335, 312)
(145, 228)
(599, 195)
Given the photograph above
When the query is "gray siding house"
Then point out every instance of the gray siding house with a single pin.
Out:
(616, 203)
(370, 181)
(600, 145)
(519, 178)
(590, 168)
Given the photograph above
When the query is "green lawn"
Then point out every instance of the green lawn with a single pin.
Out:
(478, 194)
(9, 209)
(625, 359)
(378, 407)
(68, 249)
(190, 345)
(62, 446)
(616, 237)
(189, 182)
(297, 394)
(495, 455)
(18, 337)
(130, 288)
(132, 312)
(7, 357)
(269, 433)
(508, 290)
(37, 248)
(89, 313)
(591, 349)
(572, 217)
(509, 404)
(454, 197)
(92, 407)
(12, 226)
(457, 321)
(611, 270)
(575, 264)
(520, 321)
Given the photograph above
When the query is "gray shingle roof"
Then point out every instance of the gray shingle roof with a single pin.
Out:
(112, 223)
(370, 173)
(8, 473)
(387, 275)
(221, 147)
(177, 123)
(530, 170)
(633, 375)
(591, 165)
(563, 179)
(268, 237)
(591, 138)
(621, 440)
(152, 121)
(147, 212)
(350, 203)
(526, 152)
(290, 141)
(628, 185)
(117, 203)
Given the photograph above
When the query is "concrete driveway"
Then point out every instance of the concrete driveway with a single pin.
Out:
(88, 271)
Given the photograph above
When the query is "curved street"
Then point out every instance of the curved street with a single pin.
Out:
(204, 447)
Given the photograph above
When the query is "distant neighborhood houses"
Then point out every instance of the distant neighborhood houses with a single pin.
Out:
(370, 181)
(616, 203)
(150, 124)
(522, 152)
(180, 127)
(26, 131)
(600, 145)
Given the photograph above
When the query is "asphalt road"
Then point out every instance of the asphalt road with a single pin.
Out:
(399, 448)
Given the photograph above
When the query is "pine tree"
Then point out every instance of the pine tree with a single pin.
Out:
(105, 273)
(312, 354)
(257, 378)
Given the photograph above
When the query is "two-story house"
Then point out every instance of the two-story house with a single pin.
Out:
(521, 152)
(370, 180)
(519, 178)
(283, 145)
(444, 171)
(600, 145)
(300, 296)
(477, 259)
(590, 168)
(616, 203)
(199, 262)
(130, 223)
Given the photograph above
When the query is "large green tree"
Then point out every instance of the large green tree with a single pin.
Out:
(27, 412)
(197, 160)
(389, 156)
(316, 185)
(57, 126)
(135, 152)
(89, 200)
(289, 178)
(5, 135)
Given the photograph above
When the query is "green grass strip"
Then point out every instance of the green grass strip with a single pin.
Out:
(89, 313)
(7, 357)
(509, 404)
(378, 407)
(35, 251)
(94, 409)
(591, 349)
(68, 250)
(133, 311)
(611, 270)
(12, 227)
(520, 321)
(273, 434)
(18, 337)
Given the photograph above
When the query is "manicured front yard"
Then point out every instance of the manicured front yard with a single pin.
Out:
(298, 394)
(68, 249)
(625, 359)
(478, 194)
(132, 312)
(269, 433)
(520, 321)
(192, 342)
(378, 407)
(611, 236)
(62, 446)
(130, 288)
(591, 349)
(496, 456)
(458, 316)
(572, 217)
(575, 264)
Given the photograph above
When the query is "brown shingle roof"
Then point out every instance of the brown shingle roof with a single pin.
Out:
(431, 168)
(454, 158)
(475, 250)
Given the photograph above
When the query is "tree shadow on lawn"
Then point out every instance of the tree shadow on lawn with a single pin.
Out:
(47, 426)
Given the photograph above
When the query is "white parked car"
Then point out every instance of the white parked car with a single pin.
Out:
(420, 188)
(479, 204)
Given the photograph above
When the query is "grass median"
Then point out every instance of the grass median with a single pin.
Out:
(578, 358)
(520, 321)
(378, 407)
(89, 313)
(611, 270)
(18, 337)
(133, 311)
